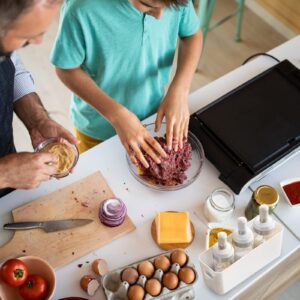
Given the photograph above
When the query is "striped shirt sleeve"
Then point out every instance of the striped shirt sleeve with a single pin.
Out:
(24, 83)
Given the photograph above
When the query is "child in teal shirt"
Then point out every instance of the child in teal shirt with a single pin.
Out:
(116, 56)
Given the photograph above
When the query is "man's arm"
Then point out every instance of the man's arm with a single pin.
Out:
(32, 113)
(175, 104)
(30, 110)
(28, 170)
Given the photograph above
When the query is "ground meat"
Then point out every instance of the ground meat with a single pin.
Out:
(171, 170)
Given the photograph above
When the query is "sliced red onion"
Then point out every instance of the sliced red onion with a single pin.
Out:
(112, 212)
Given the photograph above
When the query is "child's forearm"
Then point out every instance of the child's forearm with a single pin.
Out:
(80, 83)
(188, 57)
(133, 135)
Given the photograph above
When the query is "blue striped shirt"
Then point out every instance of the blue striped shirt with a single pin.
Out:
(24, 83)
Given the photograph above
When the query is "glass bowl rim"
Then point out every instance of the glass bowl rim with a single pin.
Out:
(187, 182)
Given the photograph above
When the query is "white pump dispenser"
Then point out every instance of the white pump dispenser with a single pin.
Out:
(263, 224)
(242, 239)
(223, 253)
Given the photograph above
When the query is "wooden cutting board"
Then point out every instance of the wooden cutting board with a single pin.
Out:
(78, 200)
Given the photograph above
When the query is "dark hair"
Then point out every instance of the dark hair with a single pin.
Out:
(10, 10)
(175, 3)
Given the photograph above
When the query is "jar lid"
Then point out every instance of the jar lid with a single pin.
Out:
(266, 194)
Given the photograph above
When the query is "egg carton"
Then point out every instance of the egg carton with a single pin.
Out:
(116, 289)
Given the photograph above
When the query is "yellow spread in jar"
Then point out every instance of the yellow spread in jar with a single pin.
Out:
(213, 235)
(65, 156)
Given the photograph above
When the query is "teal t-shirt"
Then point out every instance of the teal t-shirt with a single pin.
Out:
(127, 53)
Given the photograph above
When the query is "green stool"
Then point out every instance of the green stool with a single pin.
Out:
(205, 11)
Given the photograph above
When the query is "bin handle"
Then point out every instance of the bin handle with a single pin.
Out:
(208, 275)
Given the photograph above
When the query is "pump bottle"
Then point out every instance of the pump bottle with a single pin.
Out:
(223, 253)
(242, 239)
(263, 224)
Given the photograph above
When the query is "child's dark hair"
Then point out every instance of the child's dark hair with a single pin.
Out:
(175, 3)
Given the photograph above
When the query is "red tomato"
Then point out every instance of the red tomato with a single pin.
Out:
(35, 288)
(14, 272)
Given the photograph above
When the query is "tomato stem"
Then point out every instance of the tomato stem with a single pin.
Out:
(30, 283)
(19, 273)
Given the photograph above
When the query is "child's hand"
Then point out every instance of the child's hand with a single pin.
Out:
(176, 111)
(135, 138)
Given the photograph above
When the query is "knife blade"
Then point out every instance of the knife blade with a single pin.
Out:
(48, 226)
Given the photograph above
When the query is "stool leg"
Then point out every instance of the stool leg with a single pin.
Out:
(205, 11)
(202, 8)
(241, 4)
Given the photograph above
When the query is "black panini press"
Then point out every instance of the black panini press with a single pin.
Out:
(254, 128)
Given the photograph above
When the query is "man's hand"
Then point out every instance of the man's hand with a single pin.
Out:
(48, 128)
(37, 121)
(175, 109)
(26, 170)
(136, 138)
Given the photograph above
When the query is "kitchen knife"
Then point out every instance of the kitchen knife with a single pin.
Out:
(48, 226)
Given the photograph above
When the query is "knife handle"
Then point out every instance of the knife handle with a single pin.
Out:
(23, 225)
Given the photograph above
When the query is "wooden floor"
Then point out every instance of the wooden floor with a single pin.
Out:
(222, 54)
(287, 11)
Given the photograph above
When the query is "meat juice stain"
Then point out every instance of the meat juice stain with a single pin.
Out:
(292, 190)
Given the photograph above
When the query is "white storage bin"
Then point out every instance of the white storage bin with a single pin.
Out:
(222, 282)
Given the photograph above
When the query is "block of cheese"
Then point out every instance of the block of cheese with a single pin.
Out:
(173, 228)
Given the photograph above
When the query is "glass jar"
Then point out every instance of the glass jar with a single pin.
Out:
(263, 194)
(219, 205)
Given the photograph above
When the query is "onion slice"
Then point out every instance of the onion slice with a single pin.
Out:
(112, 212)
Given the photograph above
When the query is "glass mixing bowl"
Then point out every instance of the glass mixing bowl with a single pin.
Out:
(192, 172)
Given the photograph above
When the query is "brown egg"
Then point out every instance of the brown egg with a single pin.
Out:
(136, 292)
(162, 262)
(130, 275)
(153, 287)
(179, 257)
(170, 280)
(187, 275)
(146, 268)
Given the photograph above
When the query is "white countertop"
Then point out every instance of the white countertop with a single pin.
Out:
(143, 203)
